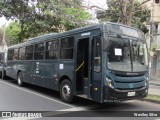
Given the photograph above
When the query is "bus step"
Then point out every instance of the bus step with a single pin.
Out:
(83, 96)
(86, 82)
(86, 90)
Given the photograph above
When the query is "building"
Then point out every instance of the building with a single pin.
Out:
(153, 40)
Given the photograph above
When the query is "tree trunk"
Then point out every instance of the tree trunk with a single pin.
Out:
(131, 11)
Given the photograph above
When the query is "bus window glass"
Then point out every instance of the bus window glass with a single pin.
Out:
(39, 51)
(97, 54)
(39, 47)
(67, 48)
(15, 56)
(52, 45)
(10, 54)
(29, 52)
(21, 53)
(52, 50)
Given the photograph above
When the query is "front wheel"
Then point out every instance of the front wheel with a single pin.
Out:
(19, 79)
(66, 91)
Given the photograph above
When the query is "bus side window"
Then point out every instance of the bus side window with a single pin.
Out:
(97, 54)
(22, 53)
(29, 52)
(15, 55)
(67, 45)
(39, 51)
(52, 49)
(10, 54)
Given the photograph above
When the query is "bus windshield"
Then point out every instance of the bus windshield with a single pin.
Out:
(125, 54)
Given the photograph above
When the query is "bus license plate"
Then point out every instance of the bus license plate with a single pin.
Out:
(131, 94)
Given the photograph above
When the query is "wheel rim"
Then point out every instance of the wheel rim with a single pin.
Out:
(66, 91)
(19, 79)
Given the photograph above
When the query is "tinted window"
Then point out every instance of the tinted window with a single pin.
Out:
(52, 45)
(67, 48)
(67, 42)
(67, 54)
(38, 55)
(39, 47)
(97, 54)
(52, 50)
(39, 51)
(51, 54)
(15, 56)
(29, 52)
(29, 49)
(10, 54)
(22, 53)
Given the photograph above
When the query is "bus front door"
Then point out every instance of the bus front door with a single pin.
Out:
(88, 70)
(96, 90)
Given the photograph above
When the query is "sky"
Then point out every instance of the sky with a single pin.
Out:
(99, 3)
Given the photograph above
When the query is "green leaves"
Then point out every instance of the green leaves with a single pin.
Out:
(12, 33)
(40, 16)
(119, 11)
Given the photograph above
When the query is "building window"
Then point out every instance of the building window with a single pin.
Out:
(67, 45)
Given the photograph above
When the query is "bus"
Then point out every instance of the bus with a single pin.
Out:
(102, 62)
(3, 56)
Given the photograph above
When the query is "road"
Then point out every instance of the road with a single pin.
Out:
(33, 98)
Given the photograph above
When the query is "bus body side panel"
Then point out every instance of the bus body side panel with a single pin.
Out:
(41, 73)
(66, 68)
(50, 71)
(11, 69)
(27, 74)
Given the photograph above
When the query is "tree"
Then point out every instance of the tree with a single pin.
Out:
(13, 33)
(37, 17)
(1, 36)
(129, 13)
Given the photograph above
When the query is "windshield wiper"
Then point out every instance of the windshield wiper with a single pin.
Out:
(131, 51)
(123, 40)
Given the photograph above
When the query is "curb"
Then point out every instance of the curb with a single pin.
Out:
(149, 100)
(154, 84)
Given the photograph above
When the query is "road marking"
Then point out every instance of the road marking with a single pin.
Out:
(38, 94)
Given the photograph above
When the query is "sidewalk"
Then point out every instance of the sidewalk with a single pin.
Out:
(154, 82)
(154, 90)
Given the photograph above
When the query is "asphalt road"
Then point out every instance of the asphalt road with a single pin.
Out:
(33, 98)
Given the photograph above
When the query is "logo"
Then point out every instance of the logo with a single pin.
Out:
(131, 85)
(6, 114)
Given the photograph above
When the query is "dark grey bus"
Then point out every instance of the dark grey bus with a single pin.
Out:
(103, 62)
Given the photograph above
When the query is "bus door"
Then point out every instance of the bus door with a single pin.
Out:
(96, 69)
(88, 70)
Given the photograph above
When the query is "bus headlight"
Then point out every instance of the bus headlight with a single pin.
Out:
(109, 82)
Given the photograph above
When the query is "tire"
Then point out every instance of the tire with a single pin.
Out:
(66, 91)
(19, 79)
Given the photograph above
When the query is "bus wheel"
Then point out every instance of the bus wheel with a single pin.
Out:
(19, 79)
(66, 91)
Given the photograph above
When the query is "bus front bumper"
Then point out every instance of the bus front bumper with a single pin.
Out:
(114, 95)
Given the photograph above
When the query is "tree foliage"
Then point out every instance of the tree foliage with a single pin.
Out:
(1, 36)
(119, 11)
(37, 17)
(12, 33)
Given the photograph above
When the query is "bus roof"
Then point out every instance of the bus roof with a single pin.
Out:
(67, 33)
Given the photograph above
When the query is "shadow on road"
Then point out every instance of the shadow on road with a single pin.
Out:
(78, 101)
